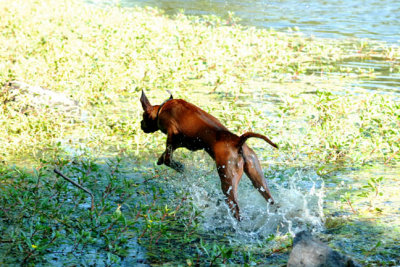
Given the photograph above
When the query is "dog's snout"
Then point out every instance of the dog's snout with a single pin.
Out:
(147, 128)
(144, 127)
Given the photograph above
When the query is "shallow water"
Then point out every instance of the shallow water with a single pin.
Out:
(374, 235)
(304, 199)
(379, 20)
(384, 79)
(298, 194)
(300, 197)
(372, 19)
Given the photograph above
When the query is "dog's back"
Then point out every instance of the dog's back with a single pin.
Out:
(188, 116)
(197, 128)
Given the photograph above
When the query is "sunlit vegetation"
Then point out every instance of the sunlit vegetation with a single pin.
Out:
(289, 87)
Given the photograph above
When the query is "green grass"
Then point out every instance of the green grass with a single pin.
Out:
(289, 87)
(103, 57)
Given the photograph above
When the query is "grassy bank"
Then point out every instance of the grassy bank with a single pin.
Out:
(289, 87)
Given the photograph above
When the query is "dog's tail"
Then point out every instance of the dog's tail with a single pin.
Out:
(247, 135)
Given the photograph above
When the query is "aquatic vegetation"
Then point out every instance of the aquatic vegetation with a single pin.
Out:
(296, 89)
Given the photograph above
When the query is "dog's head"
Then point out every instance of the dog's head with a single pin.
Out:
(149, 123)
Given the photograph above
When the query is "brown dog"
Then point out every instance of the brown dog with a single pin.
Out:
(189, 126)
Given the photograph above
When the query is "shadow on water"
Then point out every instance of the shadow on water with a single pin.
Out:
(367, 241)
(362, 213)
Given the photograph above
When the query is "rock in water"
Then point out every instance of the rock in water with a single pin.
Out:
(310, 252)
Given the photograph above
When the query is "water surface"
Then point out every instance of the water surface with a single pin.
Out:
(372, 19)
(379, 20)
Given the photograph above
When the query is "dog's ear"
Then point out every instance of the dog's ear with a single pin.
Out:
(170, 95)
(145, 102)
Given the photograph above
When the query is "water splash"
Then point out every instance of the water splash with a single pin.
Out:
(298, 195)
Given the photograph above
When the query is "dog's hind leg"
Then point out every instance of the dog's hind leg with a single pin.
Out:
(230, 170)
(253, 170)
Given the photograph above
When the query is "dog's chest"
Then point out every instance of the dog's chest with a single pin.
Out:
(191, 143)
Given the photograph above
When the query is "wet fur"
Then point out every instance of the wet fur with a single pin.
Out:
(186, 125)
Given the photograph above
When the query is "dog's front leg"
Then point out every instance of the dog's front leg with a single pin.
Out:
(166, 157)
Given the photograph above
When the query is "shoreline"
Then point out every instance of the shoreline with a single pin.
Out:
(293, 89)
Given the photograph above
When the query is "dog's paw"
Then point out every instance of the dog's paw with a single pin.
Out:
(177, 166)
(160, 160)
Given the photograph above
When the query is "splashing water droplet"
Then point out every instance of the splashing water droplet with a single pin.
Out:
(298, 195)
